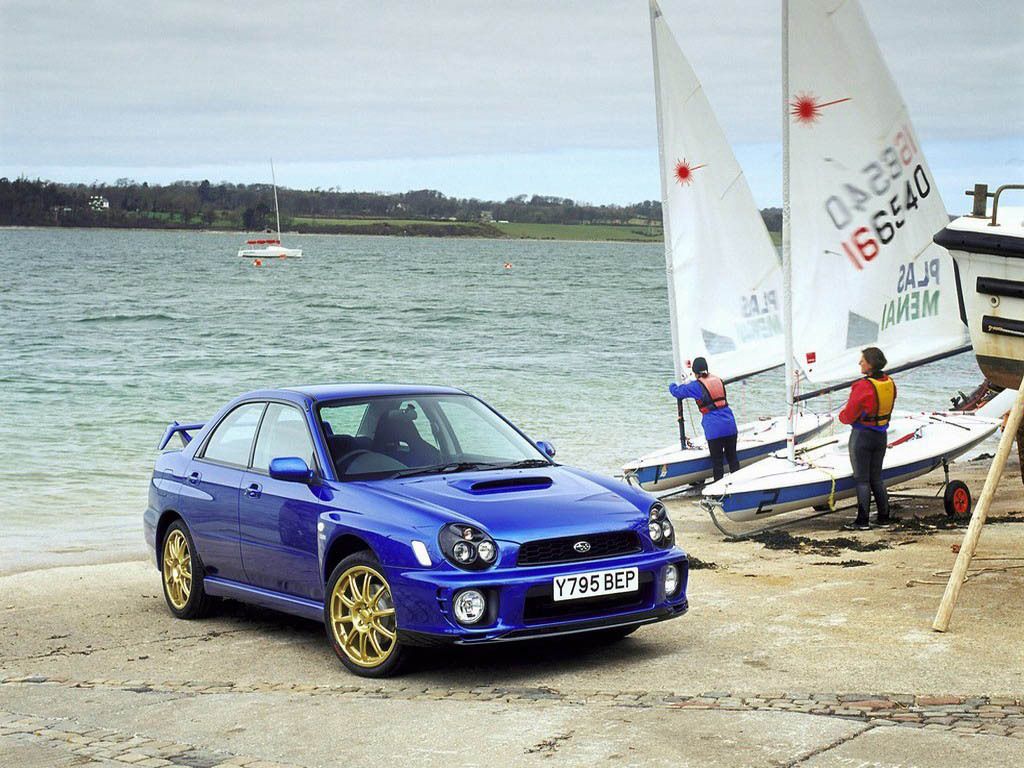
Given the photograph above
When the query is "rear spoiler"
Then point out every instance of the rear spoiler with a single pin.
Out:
(179, 429)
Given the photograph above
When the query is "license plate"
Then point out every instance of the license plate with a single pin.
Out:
(596, 583)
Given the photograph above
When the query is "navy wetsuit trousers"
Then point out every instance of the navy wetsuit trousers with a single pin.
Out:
(867, 449)
(723, 447)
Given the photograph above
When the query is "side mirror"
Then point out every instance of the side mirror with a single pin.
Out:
(291, 469)
(546, 448)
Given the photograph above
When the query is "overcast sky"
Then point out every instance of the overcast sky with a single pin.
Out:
(486, 99)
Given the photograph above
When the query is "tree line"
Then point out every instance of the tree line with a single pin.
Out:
(250, 207)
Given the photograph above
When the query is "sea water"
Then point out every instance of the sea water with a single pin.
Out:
(106, 336)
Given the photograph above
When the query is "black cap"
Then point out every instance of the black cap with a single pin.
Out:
(699, 365)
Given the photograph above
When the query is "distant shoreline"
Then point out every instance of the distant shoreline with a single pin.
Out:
(515, 231)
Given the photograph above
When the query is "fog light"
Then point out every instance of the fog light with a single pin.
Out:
(469, 606)
(671, 580)
(655, 530)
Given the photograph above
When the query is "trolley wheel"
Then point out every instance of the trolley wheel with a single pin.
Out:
(957, 500)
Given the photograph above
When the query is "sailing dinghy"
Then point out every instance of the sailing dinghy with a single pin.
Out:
(859, 258)
(271, 248)
(724, 284)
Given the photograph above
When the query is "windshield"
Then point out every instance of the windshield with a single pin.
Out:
(425, 434)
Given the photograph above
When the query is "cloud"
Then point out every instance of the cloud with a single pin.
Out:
(194, 84)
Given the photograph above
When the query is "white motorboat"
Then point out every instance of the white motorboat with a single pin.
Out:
(264, 248)
(724, 283)
(989, 255)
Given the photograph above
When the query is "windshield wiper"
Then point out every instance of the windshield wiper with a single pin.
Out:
(445, 469)
(525, 464)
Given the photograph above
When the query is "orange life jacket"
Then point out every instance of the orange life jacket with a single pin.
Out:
(885, 400)
(714, 394)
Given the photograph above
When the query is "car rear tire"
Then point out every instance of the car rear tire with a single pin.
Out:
(181, 573)
(359, 614)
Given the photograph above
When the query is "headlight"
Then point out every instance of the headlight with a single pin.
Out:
(655, 530)
(660, 527)
(487, 551)
(467, 547)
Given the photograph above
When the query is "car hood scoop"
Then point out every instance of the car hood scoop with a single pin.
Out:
(501, 484)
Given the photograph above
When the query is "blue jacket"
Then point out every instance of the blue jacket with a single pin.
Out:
(717, 423)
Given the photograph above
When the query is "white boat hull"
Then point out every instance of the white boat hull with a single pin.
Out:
(918, 443)
(271, 252)
(673, 467)
(990, 266)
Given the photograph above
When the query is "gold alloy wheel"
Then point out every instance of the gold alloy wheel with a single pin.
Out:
(363, 616)
(177, 569)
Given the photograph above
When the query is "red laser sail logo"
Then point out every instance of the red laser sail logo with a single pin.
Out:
(806, 108)
(684, 171)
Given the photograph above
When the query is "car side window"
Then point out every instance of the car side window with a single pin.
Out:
(282, 433)
(231, 441)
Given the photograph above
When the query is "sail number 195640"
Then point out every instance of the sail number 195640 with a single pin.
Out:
(896, 182)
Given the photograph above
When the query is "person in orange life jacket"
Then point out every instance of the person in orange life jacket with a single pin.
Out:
(868, 411)
(716, 416)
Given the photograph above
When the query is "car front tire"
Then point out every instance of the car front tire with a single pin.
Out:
(359, 614)
(182, 574)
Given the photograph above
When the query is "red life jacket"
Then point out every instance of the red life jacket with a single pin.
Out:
(714, 394)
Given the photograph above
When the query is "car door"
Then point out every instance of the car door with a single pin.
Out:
(209, 495)
(277, 519)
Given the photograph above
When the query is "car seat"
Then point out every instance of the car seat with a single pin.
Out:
(396, 436)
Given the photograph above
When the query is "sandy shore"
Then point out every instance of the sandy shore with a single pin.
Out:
(812, 648)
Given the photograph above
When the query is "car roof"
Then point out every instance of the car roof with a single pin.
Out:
(320, 392)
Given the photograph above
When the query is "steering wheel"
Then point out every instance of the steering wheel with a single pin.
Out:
(344, 462)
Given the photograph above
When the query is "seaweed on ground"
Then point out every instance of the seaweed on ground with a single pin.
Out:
(844, 563)
(828, 547)
(699, 565)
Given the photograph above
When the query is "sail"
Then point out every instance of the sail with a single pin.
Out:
(864, 206)
(724, 279)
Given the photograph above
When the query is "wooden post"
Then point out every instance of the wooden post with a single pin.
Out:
(970, 542)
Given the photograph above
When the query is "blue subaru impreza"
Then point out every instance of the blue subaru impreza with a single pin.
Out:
(403, 516)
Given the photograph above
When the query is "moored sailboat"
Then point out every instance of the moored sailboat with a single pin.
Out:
(270, 248)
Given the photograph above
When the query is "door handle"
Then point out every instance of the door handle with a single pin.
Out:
(194, 478)
(254, 491)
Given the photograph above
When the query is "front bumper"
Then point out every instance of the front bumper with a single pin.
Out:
(520, 605)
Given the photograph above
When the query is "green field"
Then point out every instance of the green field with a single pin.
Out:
(299, 221)
(640, 233)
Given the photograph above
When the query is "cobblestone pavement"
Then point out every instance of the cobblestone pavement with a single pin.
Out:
(1000, 716)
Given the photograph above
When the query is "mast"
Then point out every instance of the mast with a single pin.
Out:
(787, 264)
(655, 12)
(277, 211)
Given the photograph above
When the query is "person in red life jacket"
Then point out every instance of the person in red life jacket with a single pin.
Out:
(716, 417)
(868, 411)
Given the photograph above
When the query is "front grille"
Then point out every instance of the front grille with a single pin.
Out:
(564, 550)
(540, 604)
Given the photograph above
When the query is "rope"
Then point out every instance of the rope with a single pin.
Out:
(944, 575)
